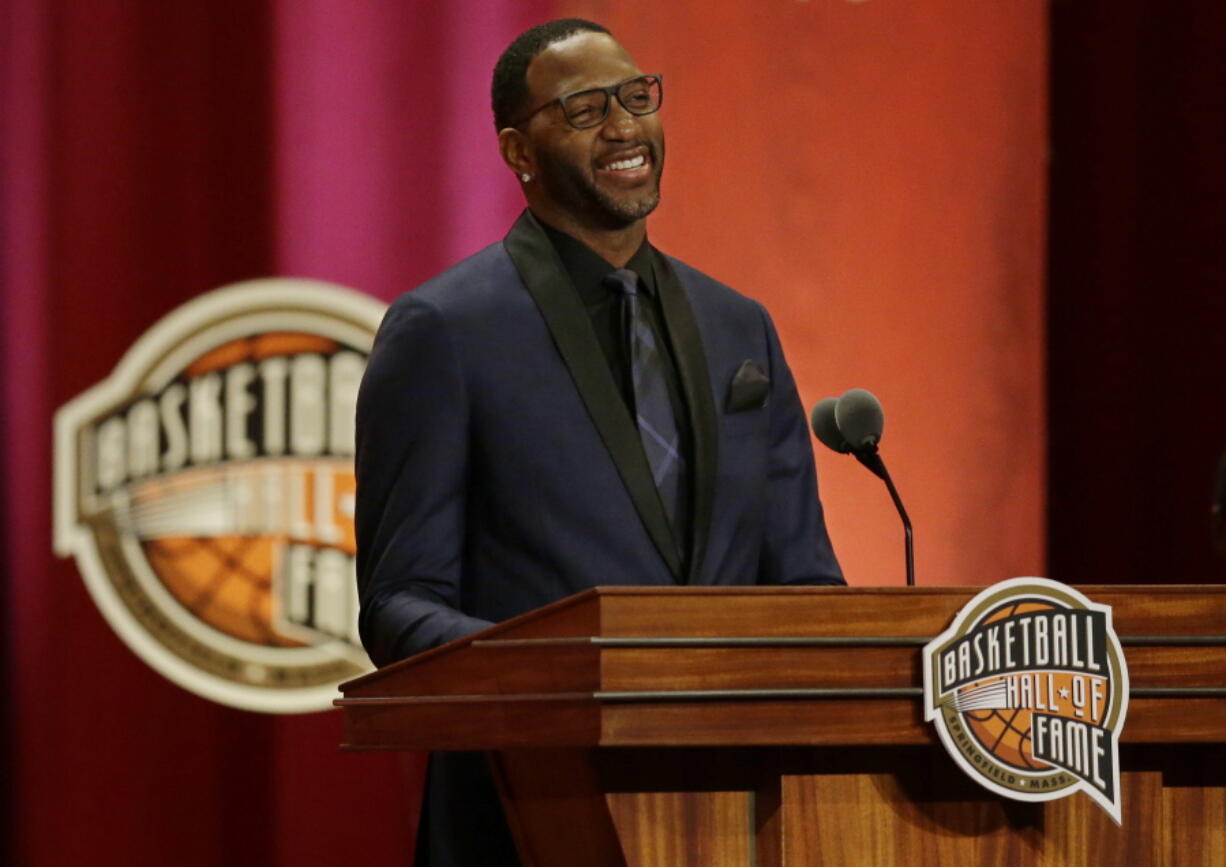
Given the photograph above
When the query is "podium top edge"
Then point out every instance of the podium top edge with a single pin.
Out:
(586, 603)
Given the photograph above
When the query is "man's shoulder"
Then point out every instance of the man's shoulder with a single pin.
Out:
(479, 279)
(702, 288)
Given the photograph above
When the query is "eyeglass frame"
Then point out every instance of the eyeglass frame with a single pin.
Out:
(610, 92)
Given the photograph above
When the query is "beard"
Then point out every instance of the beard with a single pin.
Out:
(577, 192)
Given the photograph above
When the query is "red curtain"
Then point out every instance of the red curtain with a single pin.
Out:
(154, 151)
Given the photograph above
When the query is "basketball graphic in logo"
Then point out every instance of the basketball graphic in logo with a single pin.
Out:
(206, 490)
(1028, 690)
(1003, 732)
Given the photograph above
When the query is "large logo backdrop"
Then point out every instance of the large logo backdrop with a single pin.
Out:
(206, 490)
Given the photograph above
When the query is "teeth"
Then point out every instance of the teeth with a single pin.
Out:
(622, 165)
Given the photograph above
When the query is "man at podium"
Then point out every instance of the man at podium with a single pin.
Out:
(570, 407)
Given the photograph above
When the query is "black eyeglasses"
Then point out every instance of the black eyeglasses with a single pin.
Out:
(588, 108)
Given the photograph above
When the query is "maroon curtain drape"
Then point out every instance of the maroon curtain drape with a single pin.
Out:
(153, 151)
(1136, 290)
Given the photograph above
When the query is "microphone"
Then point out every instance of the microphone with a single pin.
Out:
(860, 418)
(853, 424)
(825, 427)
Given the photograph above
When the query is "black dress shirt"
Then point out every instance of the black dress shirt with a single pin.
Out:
(587, 269)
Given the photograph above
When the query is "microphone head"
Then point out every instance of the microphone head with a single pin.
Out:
(860, 419)
(825, 428)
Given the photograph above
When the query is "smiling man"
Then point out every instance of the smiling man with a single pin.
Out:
(570, 407)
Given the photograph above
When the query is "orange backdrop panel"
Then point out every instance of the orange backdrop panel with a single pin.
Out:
(874, 173)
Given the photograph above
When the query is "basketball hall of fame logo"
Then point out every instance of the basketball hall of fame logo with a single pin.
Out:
(206, 490)
(1028, 690)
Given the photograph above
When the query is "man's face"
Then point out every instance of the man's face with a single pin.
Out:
(605, 177)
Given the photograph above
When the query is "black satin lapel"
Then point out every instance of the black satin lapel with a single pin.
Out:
(541, 270)
(692, 363)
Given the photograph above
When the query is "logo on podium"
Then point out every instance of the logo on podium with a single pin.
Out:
(206, 491)
(1028, 690)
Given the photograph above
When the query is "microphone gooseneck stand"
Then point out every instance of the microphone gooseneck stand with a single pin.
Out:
(872, 460)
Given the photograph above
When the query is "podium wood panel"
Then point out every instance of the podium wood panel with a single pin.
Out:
(1200, 809)
(685, 829)
(872, 819)
(712, 726)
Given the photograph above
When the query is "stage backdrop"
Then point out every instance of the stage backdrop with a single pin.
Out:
(872, 171)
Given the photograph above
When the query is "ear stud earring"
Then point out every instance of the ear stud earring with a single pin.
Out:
(525, 177)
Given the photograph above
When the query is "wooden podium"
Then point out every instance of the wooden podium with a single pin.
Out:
(735, 726)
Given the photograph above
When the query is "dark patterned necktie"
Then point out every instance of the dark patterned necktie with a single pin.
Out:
(652, 407)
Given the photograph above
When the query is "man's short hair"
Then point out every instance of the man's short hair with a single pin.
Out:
(509, 91)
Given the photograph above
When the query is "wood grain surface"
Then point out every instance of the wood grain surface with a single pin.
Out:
(730, 726)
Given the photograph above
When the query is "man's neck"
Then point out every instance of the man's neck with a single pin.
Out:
(616, 246)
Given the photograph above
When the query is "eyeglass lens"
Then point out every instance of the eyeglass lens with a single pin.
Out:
(639, 96)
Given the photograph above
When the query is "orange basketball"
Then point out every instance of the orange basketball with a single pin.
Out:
(1005, 732)
(226, 581)
(257, 348)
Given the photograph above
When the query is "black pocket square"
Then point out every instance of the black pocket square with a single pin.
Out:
(748, 389)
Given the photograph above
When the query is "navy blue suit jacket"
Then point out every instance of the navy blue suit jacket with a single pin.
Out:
(499, 468)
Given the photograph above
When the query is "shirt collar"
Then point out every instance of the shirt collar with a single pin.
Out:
(587, 268)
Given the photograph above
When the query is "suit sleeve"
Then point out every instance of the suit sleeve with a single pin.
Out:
(796, 548)
(412, 475)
